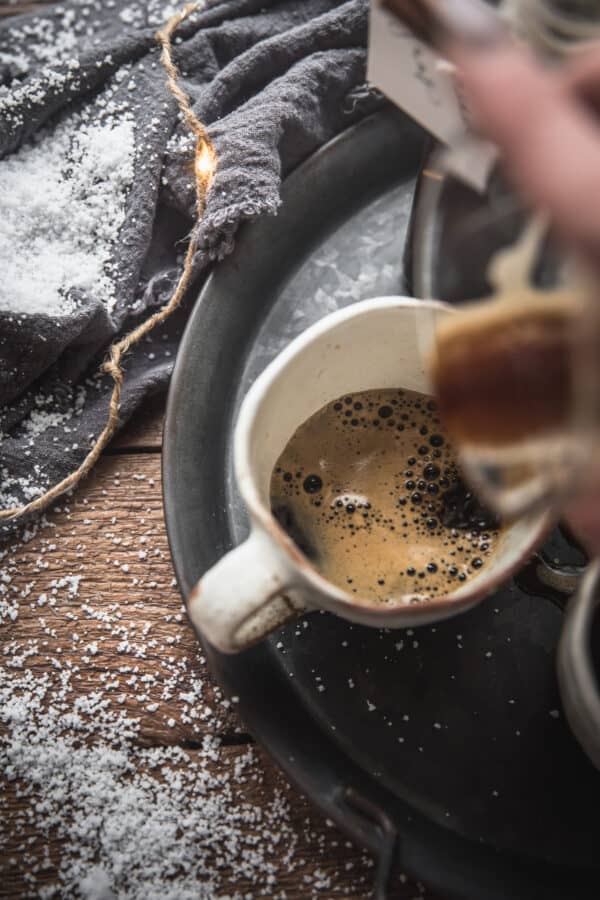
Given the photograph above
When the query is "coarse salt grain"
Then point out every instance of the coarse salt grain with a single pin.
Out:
(63, 203)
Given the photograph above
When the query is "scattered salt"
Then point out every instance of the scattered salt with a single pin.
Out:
(72, 178)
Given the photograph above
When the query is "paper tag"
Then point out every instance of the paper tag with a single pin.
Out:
(418, 80)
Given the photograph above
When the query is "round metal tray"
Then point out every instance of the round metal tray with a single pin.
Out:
(442, 750)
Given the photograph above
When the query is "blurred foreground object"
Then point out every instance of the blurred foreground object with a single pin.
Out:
(557, 27)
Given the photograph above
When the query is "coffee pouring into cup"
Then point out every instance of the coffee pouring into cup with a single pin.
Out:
(519, 377)
(376, 345)
(381, 345)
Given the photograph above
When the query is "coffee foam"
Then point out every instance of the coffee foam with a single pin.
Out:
(369, 490)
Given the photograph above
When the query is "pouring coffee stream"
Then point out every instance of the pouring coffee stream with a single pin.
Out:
(505, 373)
(510, 390)
(521, 380)
(500, 366)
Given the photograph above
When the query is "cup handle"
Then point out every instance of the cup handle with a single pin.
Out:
(246, 595)
(577, 678)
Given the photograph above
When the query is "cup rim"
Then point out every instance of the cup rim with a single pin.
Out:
(262, 517)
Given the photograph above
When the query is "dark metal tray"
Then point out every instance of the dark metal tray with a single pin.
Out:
(445, 749)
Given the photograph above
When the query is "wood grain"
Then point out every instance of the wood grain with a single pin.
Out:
(319, 846)
(111, 535)
(16, 7)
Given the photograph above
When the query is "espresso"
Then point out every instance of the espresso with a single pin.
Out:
(368, 488)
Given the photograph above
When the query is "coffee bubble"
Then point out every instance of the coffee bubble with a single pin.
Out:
(378, 506)
(312, 484)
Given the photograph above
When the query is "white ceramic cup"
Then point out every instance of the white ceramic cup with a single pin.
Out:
(376, 344)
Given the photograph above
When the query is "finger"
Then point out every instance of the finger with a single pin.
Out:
(550, 145)
(505, 86)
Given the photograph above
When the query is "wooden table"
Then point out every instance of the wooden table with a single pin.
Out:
(111, 534)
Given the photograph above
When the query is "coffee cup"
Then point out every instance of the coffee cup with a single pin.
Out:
(381, 343)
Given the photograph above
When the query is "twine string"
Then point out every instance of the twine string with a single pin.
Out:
(113, 365)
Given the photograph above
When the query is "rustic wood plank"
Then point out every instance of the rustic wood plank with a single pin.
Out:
(18, 7)
(306, 856)
(100, 605)
(111, 538)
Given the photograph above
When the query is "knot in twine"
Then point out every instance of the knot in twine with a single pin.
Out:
(205, 164)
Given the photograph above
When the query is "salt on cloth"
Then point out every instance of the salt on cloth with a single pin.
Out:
(97, 188)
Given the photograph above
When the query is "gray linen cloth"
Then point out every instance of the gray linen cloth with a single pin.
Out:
(96, 188)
